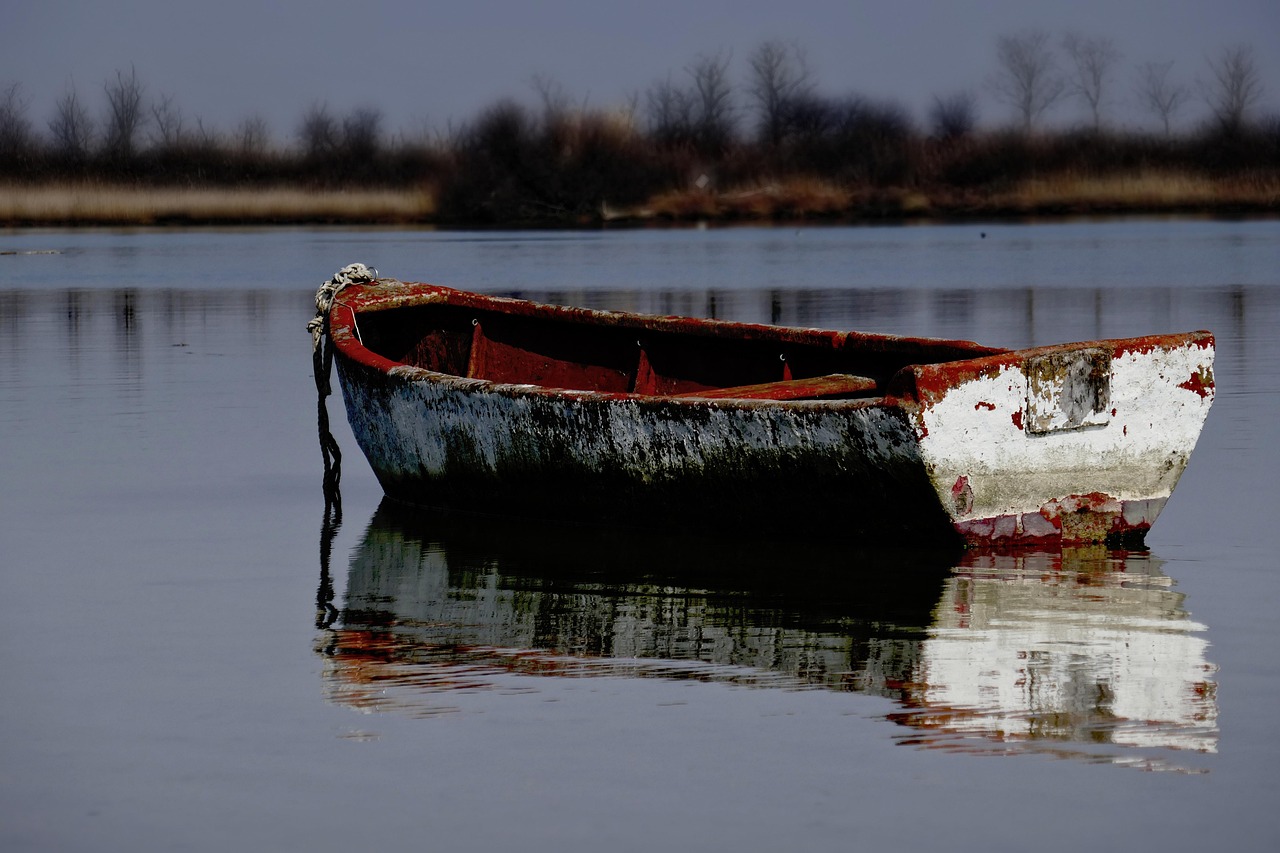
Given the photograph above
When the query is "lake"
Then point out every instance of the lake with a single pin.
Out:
(197, 654)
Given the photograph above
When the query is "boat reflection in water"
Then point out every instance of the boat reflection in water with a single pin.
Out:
(1078, 647)
(1085, 653)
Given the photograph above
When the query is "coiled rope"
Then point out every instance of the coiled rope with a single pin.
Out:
(350, 274)
(322, 364)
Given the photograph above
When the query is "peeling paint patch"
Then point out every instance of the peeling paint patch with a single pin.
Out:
(1074, 520)
(983, 404)
(962, 496)
(1015, 473)
(1201, 382)
(1085, 518)
(1068, 389)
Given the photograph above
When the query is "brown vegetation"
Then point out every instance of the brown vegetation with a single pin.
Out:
(117, 204)
(684, 151)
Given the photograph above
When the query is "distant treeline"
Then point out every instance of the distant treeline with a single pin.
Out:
(693, 135)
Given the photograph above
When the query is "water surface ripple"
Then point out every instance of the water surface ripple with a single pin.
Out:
(198, 653)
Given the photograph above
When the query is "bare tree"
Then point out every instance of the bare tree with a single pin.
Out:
(253, 136)
(630, 108)
(953, 116)
(779, 76)
(166, 121)
(318, 132)
(205, 137)
(1027, 77)
(551, 94)
(15, 128)
(71, 126)
(669, 110)
(1236, 87)
(713, 103)
(124, 114)
(1092, 60)
(362, 133)
(1160, 96)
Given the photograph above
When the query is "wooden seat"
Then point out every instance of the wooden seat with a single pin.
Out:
(814, 388)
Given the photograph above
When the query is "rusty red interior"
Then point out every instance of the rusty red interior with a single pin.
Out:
(630, 354)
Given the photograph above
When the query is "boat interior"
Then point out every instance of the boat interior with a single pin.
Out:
(631, 354)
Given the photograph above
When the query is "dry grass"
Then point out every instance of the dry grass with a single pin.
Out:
(1145, 190)
(812, 198)
(92, 204)
(797, 198)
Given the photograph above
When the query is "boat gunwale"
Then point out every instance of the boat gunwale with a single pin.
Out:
(391, 295)
(934, 379)
(909, 384)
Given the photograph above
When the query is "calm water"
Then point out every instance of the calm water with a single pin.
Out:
(195, 656)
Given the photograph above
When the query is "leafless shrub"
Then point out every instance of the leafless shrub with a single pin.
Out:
(362, 133)
(1160, 96)
(713, 109)
(852, 139)
(953, 116)
(629, 109)
(205, 136)
(15, 128)
(501, 133)
(1236, 87)
(1026, 78)
(253, 137)
(125, 117)
(318, 132)
(779, 76)
(71, 128)
(669, 110)
(555, 101)
(166, 123)
(1092, 60)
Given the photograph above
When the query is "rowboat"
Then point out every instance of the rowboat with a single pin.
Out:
(507, 407)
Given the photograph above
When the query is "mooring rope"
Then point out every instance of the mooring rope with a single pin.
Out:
(322, 364)
(350, 274)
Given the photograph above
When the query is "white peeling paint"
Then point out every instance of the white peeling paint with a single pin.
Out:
(977, 431)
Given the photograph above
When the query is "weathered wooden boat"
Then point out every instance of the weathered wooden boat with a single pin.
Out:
(508, 407)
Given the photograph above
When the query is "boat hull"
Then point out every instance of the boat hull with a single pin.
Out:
(1072, 443)
(1055, 445)
(508, 450)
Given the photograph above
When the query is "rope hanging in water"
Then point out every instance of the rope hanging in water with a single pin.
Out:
(322, 364)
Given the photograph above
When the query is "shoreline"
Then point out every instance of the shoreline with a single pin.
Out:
(784, 203)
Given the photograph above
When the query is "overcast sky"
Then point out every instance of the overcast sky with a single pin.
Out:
(424, 63)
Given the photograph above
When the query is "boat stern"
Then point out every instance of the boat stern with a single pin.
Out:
(1065, 444)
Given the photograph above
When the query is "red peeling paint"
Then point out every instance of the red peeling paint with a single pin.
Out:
(1017, 418)
(1073, 520)
(983, 404)
(1150, 343)
(1201, 382)
(962, 496)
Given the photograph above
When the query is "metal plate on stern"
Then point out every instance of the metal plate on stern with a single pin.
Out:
(1068, 390)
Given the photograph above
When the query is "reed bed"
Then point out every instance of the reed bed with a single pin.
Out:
(1058, 194)
(94, 204)
(790, 199)
(1143, 190)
